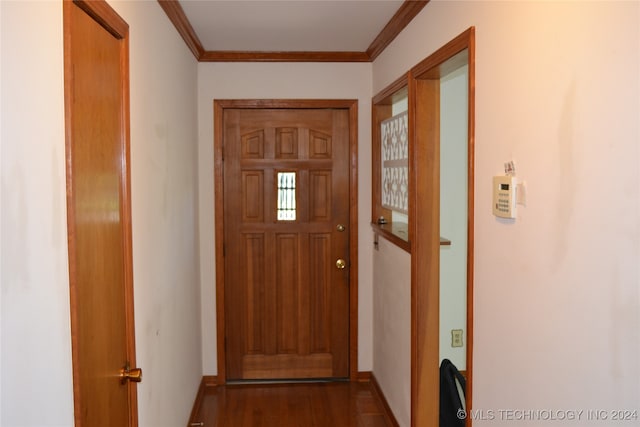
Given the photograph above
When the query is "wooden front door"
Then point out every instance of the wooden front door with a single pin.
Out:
(286, 243)
(99, 216)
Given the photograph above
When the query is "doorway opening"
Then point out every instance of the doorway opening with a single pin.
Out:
(442, 89)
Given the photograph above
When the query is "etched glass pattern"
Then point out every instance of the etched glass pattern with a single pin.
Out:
(395, 163)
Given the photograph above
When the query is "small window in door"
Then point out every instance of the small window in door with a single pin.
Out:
(286, 196)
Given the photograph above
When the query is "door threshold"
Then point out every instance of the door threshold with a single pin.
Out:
(285, 381)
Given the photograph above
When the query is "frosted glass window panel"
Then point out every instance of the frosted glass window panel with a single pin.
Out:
(395, 163)
(286, 196)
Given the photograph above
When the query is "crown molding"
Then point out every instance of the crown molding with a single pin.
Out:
(399, 21)
(407, 11)
(242, 56)
(176, 15)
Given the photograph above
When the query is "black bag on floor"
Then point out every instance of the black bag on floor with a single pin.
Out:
(451, 395)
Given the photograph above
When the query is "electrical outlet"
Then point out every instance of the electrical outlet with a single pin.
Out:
(456, 338)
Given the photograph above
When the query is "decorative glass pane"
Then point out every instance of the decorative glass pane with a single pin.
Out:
(395, 163)
(286, 196)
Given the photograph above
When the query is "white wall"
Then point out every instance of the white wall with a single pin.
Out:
(282, 81)
(36, 340)
(391, 321)
(36, 349)
(557, 302)
(164, 179)
(391, 318)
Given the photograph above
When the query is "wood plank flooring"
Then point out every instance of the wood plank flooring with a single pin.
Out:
(331, 404)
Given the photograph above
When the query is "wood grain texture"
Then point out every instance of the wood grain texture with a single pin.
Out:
(218, 184)
(384, 230)
(437, 64)
(388, 413)
(424, 164)
(285, 103)
(352, 105)
(99, 213)
(470, 35)
(380, 112)
(399, 21)
(197, 404)
(219, 108)
(322, 186)
(332, 404)
(177, 16)
(363, 376)
(102, 13)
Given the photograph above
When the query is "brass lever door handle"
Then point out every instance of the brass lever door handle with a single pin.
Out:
(128, 374)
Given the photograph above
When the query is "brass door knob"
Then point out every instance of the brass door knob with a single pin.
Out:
(340, 227)
(127, 374)
(341, 264)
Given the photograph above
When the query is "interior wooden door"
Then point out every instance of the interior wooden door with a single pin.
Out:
(101, 288)
(286, 243)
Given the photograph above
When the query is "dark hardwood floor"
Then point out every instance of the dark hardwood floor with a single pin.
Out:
(331, 404)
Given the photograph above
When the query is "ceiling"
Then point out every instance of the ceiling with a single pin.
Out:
(289, 30)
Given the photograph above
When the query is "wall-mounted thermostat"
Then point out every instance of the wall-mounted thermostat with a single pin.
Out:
(504, 196)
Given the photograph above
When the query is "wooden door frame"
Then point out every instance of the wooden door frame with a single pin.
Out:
(108, 18)
(424, 128)
(219, 105)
